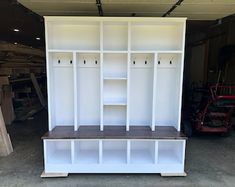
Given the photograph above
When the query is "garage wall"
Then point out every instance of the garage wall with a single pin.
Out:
(202, 64)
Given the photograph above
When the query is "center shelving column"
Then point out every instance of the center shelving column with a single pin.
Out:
(114, 73)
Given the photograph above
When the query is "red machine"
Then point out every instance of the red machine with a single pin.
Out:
(212, 111)
(215, 116)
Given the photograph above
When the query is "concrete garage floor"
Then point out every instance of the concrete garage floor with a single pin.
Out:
(210, 161)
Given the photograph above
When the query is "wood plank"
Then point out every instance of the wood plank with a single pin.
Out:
(174, 174)
(53, 175)
(38, 90)
(114, 132)
(5, 71)
(6, 100)
(5, 142)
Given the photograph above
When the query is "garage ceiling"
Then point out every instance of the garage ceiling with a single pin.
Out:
(193, 9)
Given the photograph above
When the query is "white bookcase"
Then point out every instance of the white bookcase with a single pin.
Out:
(114, 95)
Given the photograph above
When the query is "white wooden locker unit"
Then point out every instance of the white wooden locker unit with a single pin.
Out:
(114, 95)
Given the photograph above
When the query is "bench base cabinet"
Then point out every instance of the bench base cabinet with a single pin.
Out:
(114, 95)
(114, 156)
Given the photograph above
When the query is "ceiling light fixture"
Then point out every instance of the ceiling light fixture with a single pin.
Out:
(15, 43)
(38, 38)
(16, 30)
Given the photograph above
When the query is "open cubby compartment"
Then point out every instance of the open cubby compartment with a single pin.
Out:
(171, 152)
(156, 36)
(114, 115)
(61, 89)
(141, 89)
(114, 151)
(58, 152)
(86, 151)
(142, 152)
(115, 66)
(115, 92)
(168, 97)
(115, 35)
(88, 88)
(73, 35)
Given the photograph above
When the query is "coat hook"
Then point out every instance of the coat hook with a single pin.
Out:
(159, 62)
(96, 62)
(58, 61)
(145, 62)
(84, 61)
(133, 62)
(171, 60)
(71, 61)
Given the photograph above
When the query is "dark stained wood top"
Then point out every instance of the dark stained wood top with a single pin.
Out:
(113, 132)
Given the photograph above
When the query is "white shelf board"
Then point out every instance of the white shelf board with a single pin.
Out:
(114, 157)
(114, 78)
(87, 157)
(115, 102)
(169, 51)
(60, 51)
(168, 157)
(156, 51)
(60, 157)
(142, 51)
(141, 157)
(70, 51)
(114, 51)
(87, 51)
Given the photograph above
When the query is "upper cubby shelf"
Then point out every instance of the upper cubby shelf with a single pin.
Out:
(115, 36)
(74, 35)
(146, 36)
(119, 36)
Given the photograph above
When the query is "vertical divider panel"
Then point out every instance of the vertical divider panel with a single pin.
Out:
(76, 125)
(45, 152)
(154, 91)
(128, 151)
(72, 151)
(101, 93)
(48, 69)
(128, 78)
(100, 151)
(181, 77)
(101, 77)
(184, 148)
(156, 152)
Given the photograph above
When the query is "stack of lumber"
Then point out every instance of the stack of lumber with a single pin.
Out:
(6, 100)
(5, 141)
(22, 81)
